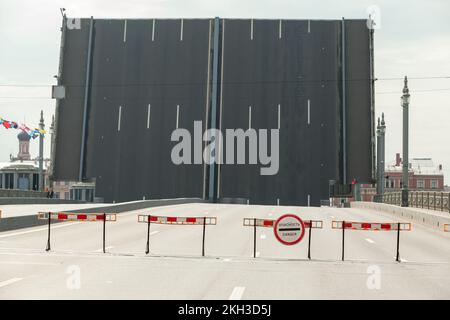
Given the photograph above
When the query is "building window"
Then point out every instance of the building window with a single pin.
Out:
(434, 184)
(9, 180)
(35, 181)
(420, 184)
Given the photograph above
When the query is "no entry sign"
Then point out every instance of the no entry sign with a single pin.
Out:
(289, 229)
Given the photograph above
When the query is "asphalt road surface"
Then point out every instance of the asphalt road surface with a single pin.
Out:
(77, 269)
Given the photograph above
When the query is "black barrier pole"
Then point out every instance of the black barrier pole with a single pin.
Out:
(147, 247)
(309, 240)
(48, 239)
(203, 241)
(254, 238)
(104, 232)
(398, 243)
(343, 239)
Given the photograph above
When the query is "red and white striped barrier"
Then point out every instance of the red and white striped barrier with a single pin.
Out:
(178, 220)
(372, 226)
(268, 223)
(252, 222)
(203, 221)
(446, 227)
(68, 216)
(77, 216)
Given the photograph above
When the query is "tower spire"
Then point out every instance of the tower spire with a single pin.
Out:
(405, 86)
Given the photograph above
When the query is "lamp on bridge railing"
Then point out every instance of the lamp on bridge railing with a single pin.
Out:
(405, 99)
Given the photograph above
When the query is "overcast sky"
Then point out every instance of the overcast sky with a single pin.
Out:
(413, 40)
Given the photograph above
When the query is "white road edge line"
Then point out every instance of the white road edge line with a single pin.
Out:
(37, 230)
(237, 293)
(22, 263)
(10, 281)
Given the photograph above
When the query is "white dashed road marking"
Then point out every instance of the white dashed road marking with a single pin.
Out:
(237, 293)
(10, 281)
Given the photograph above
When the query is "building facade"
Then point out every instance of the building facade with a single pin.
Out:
(22, 172)
(423, 175)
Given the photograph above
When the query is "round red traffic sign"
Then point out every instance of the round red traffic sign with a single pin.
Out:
(289, 229)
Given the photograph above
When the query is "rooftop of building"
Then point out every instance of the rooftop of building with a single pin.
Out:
(22, 165)
(419, 166)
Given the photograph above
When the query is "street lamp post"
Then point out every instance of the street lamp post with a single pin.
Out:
(381, 131)
(405, 105)
(41, 153)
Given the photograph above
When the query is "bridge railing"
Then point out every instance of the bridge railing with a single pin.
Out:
(433, 200)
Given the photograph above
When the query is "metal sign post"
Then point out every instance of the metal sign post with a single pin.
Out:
(104, 232)
(47, 248)
(254, 238)
(398, 243)
(147, 247)
(203, 239)
(255, 222)
(343, 240)
(309, 239)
